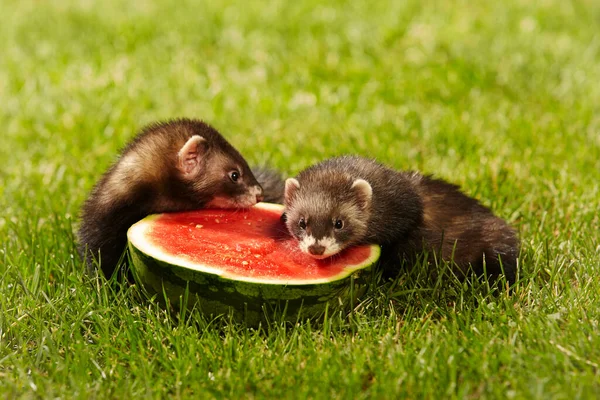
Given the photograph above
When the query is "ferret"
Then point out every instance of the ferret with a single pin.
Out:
(351, 200)
(169, 166)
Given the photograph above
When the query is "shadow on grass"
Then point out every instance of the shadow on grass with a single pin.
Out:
(424, 292)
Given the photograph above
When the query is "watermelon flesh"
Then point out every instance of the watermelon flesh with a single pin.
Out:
(241, 260)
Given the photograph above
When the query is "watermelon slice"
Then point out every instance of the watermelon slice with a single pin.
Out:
(242, 261)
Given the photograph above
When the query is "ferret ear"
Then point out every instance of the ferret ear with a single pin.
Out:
(291, 186)
(364, 192)
(189, 156)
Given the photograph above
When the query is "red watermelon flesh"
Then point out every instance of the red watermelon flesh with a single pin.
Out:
(242, 261)
(250, 244)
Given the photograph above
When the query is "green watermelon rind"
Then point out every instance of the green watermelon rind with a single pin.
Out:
(217, 293)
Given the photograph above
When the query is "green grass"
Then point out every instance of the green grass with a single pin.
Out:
(499, 97)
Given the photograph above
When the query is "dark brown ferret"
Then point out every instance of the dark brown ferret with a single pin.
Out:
(352, 200)
(170, 166)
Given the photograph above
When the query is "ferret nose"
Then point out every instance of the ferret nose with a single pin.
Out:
(316, 249)
(259, 198)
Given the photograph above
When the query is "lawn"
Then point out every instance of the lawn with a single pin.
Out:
(502, 98)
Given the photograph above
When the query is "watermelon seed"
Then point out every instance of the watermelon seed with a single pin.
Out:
(217, 220)
(199, 226)
(244, 263)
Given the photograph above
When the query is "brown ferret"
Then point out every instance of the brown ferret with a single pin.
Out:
(169, 166)
(352, 200)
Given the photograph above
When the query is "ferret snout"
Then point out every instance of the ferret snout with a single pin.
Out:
(321, 248)
(257, 191)
(316, 249)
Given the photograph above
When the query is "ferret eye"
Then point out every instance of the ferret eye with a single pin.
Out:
(338, 224)
(302, 224)
(234, 176)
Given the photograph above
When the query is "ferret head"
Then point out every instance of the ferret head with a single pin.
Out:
(214, 172)
(327, 213)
